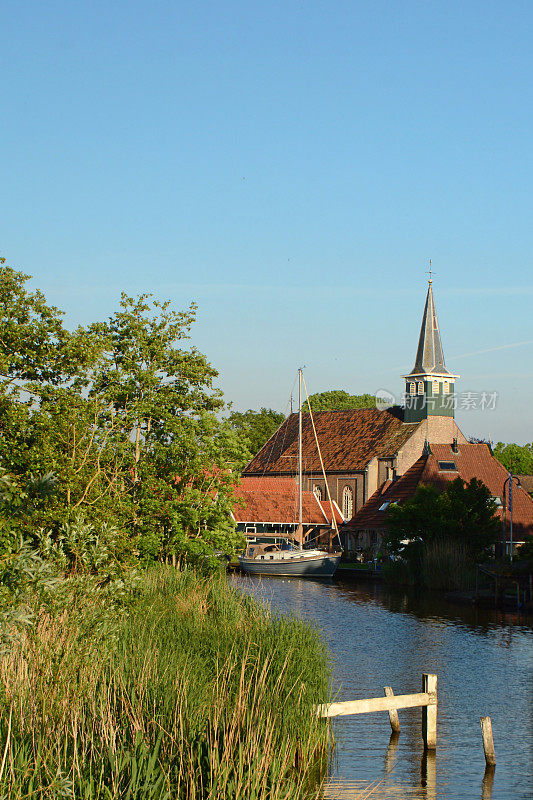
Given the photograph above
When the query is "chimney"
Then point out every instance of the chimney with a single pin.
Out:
(455, 446)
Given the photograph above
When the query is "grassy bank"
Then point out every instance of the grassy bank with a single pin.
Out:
(183, 690)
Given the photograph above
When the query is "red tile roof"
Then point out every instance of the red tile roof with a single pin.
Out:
(472, 461)
(275, 500)
(527, 482)
(348, 441)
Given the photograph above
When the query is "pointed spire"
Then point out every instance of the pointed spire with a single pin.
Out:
(429, 356)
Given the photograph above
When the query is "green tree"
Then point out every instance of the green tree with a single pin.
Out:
(515, 457)
(255, 427)
(124, 417)
(339, 400)
(178, 461)
(464, 513)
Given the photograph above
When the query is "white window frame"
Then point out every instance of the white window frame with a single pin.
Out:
(347, 502)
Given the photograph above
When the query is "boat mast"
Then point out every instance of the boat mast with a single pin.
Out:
(300, 526)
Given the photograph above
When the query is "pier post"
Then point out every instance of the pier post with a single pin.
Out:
(429, 712)
(393, 713)
(488, 741)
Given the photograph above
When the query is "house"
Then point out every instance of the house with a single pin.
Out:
(363, 448)
(269, 507)
(438, 466)
(373, 457)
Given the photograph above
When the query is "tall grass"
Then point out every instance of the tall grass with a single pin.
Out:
(191, 691)
(446, 565)
(441, 565)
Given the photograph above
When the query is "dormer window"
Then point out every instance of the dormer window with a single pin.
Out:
(412, 388)
(420, 387)
(435, 387)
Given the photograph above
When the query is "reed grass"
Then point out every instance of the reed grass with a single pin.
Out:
(446, 566)
(189, 691)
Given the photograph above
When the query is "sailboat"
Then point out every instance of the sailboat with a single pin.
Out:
(287, 560)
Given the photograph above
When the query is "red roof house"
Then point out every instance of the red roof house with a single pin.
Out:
(265, 503)
(439, 467)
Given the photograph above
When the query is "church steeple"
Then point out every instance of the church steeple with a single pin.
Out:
(429, 385)
(429, 356)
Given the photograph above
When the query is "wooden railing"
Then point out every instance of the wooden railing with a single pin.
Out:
(426, 699)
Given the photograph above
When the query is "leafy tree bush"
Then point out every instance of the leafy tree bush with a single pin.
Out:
(255, 427)
(464, 513)
(339, 400)
(515, 457)
(121, 421)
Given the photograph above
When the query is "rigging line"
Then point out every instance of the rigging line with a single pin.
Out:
(334, 521)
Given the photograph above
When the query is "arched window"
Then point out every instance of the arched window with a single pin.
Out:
(435, 387)
(347, 503)
(446, 387)
(412, 388)
(317, 491)
(420, 387)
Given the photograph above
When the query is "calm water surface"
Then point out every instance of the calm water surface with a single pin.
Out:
(378, 637)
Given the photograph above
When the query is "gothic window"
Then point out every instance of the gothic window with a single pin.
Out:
(446, 387)
(317, 491)
(435, 387)
(347, 503)
(412, 388)
(420, 387)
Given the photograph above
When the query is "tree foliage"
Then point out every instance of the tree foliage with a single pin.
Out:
(255, 427)
(516, 458)
(339, 400)
(464, 513)
(123, 416)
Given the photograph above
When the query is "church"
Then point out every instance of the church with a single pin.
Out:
(368, 452)
(363, 448)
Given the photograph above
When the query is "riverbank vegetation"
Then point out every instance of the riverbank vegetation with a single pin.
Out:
(157, 685)
(436, 538)
(115, 421)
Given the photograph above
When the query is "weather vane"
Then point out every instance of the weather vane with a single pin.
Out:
(430, 272)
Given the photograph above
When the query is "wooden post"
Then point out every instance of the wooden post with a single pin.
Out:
(429, 712)
(488, 742)
(393, 713)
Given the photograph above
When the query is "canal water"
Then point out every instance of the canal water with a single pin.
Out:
(380, 637)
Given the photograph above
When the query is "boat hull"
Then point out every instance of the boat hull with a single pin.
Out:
(317, 567)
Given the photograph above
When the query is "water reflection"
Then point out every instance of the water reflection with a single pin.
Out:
(390, 755)
(428, 774)
(487, 783)
(484, 663)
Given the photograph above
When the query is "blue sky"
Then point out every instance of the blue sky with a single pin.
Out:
(291, 167)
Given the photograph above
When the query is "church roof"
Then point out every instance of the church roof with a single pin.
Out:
(429, 356)
(348, 441)
(471, 461)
